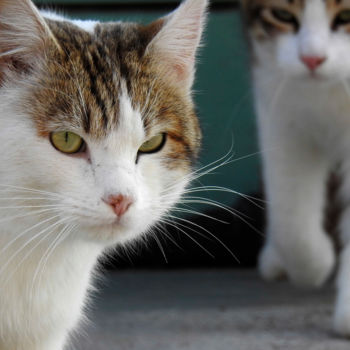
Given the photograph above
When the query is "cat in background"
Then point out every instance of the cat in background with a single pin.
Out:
(99, 136)
(301, 74)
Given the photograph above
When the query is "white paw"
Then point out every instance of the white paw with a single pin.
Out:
(311, 268)
(342, 320)
(270, 265)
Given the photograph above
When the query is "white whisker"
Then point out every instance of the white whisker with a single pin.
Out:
(189, 236)
(154, 236)
(194, 212)
(208, 232)
(3, 267)
(61, 236)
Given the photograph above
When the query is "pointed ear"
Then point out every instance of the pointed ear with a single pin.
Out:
(174, 47)
(23, 32)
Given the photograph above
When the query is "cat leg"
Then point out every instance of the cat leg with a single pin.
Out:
(295, 177)
(342, 305)
(270, 264)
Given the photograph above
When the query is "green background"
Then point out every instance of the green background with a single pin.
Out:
(222, 91)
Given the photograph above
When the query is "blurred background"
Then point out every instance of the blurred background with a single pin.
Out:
(224, 101)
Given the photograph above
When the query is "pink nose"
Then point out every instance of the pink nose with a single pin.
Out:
(119, 203)
(312, 62)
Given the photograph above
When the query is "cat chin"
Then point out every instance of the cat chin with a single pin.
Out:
(317, 79)
(117, 232)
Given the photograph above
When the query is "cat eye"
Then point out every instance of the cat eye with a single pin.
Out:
(67, 142)
(283, 16)
(342, 18)
(154, 144)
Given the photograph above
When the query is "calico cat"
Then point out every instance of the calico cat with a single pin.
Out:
(98, 138)
(301, 73)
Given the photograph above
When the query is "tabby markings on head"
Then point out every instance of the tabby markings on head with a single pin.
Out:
(91, 70)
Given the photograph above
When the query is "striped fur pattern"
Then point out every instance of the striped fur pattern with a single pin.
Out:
(101, 65)
(116, 86)
(301, 80)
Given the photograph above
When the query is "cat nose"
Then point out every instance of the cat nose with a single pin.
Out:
(312, 62)
(119, 203)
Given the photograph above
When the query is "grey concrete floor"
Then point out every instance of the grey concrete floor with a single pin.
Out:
(207, 310)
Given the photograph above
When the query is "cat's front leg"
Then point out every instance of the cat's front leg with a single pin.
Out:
(342, 307)
(295, 176)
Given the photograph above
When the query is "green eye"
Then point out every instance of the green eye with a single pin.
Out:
(283, 15)
(153, 145)
(342, 18)
(67, 142)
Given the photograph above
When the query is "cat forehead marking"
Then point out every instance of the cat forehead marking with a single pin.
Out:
(83, 82)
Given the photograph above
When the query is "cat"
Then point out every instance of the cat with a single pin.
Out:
(99, 137)
(301, 77)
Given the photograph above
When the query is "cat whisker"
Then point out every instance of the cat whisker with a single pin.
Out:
(210, 202)
(27, 255)
(223, 189)
(3, 249)
(64, 233)
(202, 171)
(26, 189)
(194, 212)
(232, 211)
(35, 206)
(249, 198)
(163, 232)
(208, 232)
(175, 219)
(32, 213)
(27, 199)
(170, 223)
(3, 267)
(154, 236)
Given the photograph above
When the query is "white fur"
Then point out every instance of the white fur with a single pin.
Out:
(87, 25)
(51, 305)
(304, 126)
(47, 258)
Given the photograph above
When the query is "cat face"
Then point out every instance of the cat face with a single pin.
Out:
(99, 117)
(302, 38)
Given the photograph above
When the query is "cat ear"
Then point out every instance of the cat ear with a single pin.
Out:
(23, 32)
(174, 47)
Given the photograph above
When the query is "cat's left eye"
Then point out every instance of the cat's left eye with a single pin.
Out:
(342, 18)
(154, 144)
(67, 142)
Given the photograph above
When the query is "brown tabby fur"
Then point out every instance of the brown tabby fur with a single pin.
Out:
(91, 69)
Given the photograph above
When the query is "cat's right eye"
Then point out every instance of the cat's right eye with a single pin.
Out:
(283, 15)
(67, 142)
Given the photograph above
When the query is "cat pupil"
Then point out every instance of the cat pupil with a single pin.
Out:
(282, 14)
